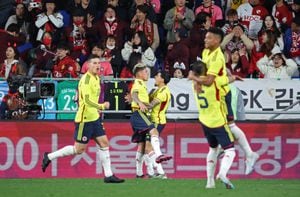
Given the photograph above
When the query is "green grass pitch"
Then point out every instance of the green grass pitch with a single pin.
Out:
(145, 187)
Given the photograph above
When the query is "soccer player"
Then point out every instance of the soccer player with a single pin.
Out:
(159, 103)
(213, 57)
(212, 116)
(139, 120)
(88, 123)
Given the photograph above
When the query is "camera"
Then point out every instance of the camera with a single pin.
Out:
(34, 4)
(32, 91)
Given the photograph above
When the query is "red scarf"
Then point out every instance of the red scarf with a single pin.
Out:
(110, 27)
(177, 24)
(148, 29)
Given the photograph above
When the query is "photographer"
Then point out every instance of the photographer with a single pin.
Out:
(13, 105)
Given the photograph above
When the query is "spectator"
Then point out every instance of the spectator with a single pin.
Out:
(21, 19)
(232, 19)
(113, 54)
(296, 8)
(11, 35)
(282, 14)
(13, 106)
(77, 37)
(109, 25)
(64, 65)
(178, 17)
(251, 14)
(41, 57)
(105, 66)
(277, 66)
(238, 63)
(151, 13)
(212, 9)
(141, 22)
(126, 72)
(139, 44)
(237, 39)
(89, 7)
(179, 69)
(49, 21)
(234, 4)
(269, 44)
(5, 9)
(121, 9)
(12, 65)
(196, 40)
(35, 7)
(270, 24)
(292, 41)
(178, 55)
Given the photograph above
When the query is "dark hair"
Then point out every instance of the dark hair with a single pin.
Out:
(92, 56)
(296, 20)
(134, 58)
(49, 1)
(217, 31)
(144, 42)
(231, 12)
(166, 76)
(99, 45)
(280, 54)
(111, 7)
(63, 46)
(201, 18)
(143, 8)
(268, 46)
(239, 63)
(274, 27)
(78, 12)
(13, 28)
(199, 68)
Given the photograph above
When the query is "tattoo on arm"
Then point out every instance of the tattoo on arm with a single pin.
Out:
(135, 97)
(153, 103)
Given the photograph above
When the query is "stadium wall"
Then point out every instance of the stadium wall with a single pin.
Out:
(22, 145)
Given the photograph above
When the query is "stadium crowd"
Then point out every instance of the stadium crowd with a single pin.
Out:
(51, 38)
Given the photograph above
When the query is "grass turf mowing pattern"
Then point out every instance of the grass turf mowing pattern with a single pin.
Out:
(145, 187)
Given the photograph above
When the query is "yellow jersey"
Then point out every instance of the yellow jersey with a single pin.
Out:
(140, 87)
(88, 96)
(216, 66)
(211, 106)
(236, 3)
(158, 113)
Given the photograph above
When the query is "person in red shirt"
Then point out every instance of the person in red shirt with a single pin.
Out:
(64, 65)
(282, 14)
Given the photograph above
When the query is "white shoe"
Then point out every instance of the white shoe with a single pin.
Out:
(226, 181)
(160, 176)
(210, 184)
(250, 162)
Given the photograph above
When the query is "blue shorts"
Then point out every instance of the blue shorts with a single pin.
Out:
(160, 128)
(221, 135)
(84, 131)
(230, 116)
(141, 125)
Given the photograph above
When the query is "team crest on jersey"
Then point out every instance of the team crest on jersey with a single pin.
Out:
(84, 138)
